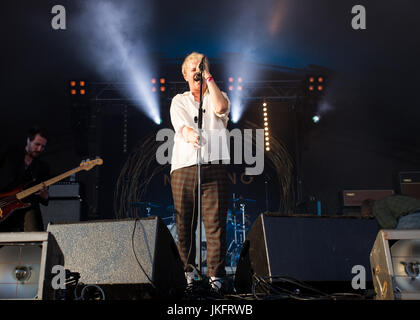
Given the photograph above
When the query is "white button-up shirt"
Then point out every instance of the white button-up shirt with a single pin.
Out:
(215, 146)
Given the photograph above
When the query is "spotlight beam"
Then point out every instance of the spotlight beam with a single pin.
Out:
(115, 53)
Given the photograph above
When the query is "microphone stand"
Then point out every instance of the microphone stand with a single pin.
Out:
(200, 126)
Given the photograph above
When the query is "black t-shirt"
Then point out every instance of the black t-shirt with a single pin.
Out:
(14, 173)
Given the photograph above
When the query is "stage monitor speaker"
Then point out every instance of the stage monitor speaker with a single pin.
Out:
(410, 184)
(26, 262)
(313, 249)
(395, 265)
(128, 259)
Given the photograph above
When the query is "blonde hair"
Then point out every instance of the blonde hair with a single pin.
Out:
(192, 56)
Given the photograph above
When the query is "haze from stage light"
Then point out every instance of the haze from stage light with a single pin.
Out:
(117, 47)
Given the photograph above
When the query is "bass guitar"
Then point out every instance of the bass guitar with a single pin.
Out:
(12, 200)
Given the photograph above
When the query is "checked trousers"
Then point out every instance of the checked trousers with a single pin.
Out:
(214, 206)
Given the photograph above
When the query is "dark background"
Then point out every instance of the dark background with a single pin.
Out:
(367, 136)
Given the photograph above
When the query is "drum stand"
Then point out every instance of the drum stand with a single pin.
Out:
(239, 231)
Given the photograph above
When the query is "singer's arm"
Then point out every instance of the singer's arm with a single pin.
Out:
(220, 103)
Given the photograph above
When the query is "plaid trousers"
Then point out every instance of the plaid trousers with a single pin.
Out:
(214, 206)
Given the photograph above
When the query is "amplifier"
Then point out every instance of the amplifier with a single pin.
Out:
(61, 210)
(410, 184)
(354, 198)
(64, 190)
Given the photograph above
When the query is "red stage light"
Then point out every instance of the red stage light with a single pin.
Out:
(73, 83)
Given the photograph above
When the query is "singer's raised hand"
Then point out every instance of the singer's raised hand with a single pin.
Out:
(206, 71)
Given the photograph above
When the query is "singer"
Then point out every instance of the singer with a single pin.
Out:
(214, 180)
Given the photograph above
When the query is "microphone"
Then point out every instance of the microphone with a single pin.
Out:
(197, 76)
(201, 65)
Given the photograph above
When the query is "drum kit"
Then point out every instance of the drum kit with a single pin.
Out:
(237, 226)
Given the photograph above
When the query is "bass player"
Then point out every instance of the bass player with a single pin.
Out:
(23, 167)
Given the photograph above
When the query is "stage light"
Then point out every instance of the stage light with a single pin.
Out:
(236, 66)
(316, 118)
(237, 106)
(77, 87)
(235, 111)
(162, 88)
(314, 83)
(395, 266)
(266, 133)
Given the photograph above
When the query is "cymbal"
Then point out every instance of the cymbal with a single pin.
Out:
(244, 199)
(148, 204)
